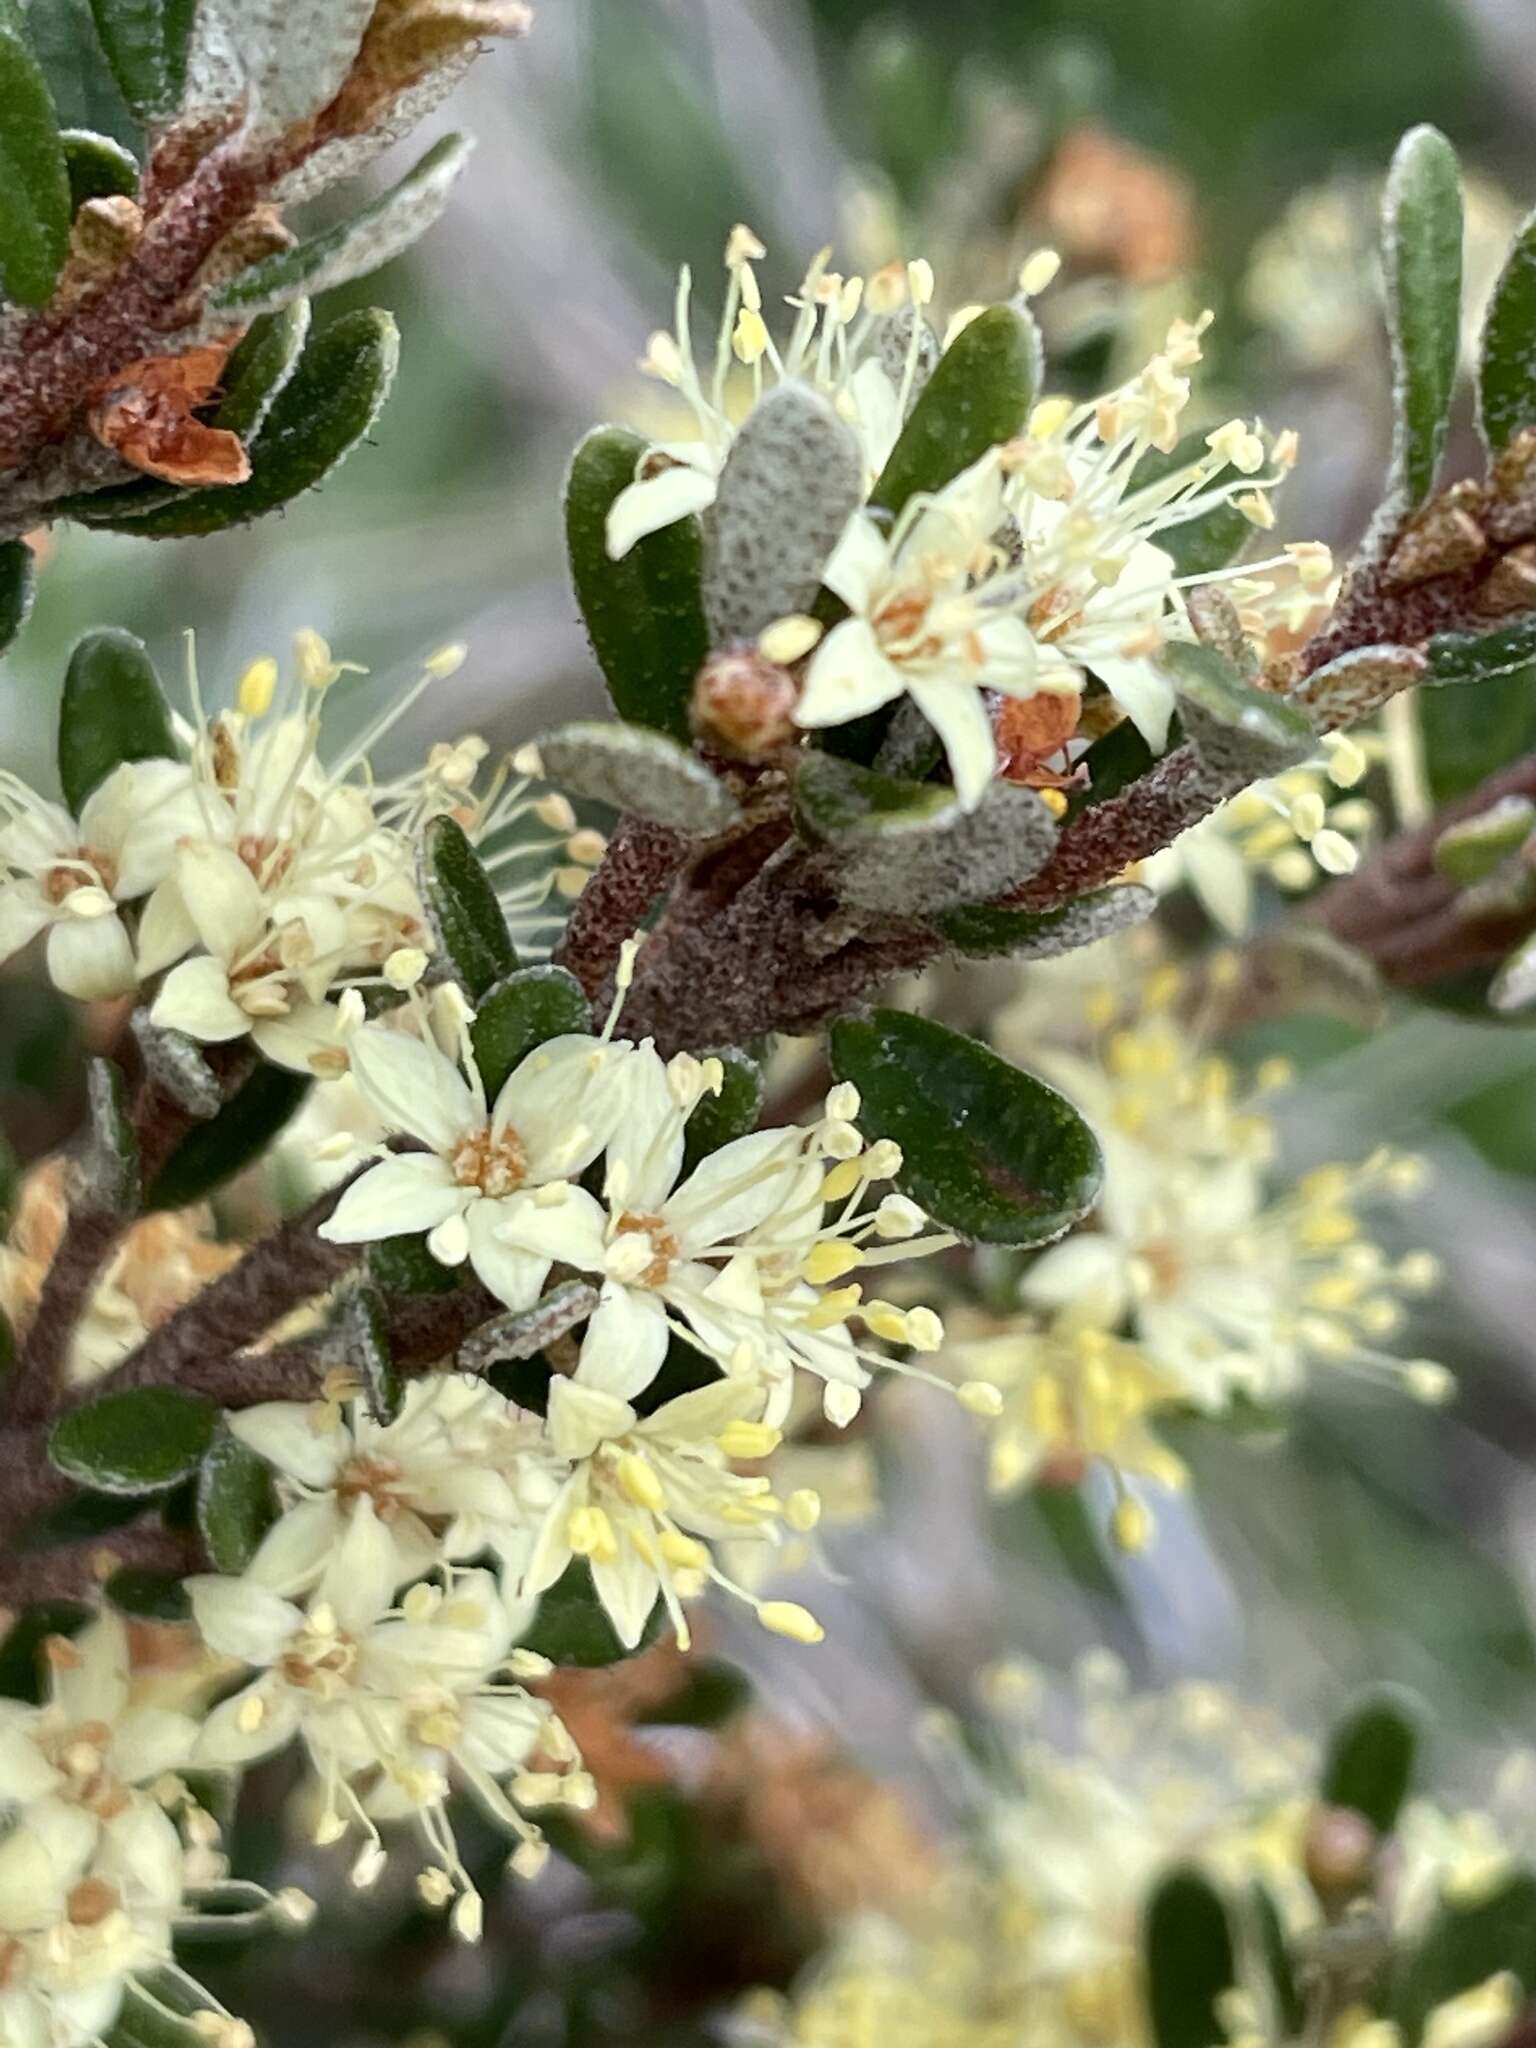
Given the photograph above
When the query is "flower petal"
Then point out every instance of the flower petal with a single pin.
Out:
(414, 1087)
(240, 1619)
(222, 896)
(654, 502)
(625, 1343)
(195, 998)
(414, 1191)
(858, 562)
(848, 675)
(958, 715)
(296, 1437)
(90, 958)
(563, 1101)
(1143, 692)
(737, 1189)
(514, 1277)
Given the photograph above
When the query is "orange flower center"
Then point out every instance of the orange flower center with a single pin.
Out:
(87, 866)
(664, 1246)
(494, 1162)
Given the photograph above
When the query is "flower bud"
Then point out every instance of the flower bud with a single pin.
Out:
(743, 705)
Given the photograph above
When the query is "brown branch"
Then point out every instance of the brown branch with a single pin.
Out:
(1405, 916)
(199, 1344)
(640, 860)
(76, 1569)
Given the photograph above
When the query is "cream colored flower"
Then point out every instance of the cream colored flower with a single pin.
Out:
(70, 877)
(493, 1185)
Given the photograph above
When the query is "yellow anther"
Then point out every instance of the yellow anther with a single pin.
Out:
(1131, 1525)
(749, 1439)
(253, 696)
(802, 1510)
(641, 1484)
(980, 1397)
(830, 1259)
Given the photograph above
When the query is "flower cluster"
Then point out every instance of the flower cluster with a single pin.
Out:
(1033, 1931)
(737, 1260)
(1036, 572)
(104, 1853)
(1202, 1282)
(251, 880)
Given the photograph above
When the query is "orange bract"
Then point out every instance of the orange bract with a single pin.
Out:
(148, 416)
(1030, 730)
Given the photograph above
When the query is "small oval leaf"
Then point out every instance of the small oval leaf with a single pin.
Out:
(215, 1151)
(979, 395)
(1421, 251)
(571, 1626)
(34, 183)
(98, 167)
(642, 772)
(113, 710)
(1191, 1961)
(521, 1012)
(145, 1440)
(1371, 1757)
(236, 1502)
(986, 931)
(991, 1153)
(461, 901)
(145, 42)
(718, 1119)
(644, 614)
(1506, 377)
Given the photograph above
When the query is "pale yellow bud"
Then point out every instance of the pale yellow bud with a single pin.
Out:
(789, 639)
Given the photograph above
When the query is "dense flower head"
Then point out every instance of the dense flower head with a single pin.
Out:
(1035, 572)
(245, 883)
(1231, 1283)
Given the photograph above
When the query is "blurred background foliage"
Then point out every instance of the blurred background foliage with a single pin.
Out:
(1217, 152)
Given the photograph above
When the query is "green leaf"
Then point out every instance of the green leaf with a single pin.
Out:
(110, 1166)
(1465, 1944)
(1421, 253)
(98, 167)
(1202, 545)
(143, 1441)
(78, 1518)
(908, 848)
(1481, 657)
(364, 1323)
(1238, 731)
(148, 1594)
(1190, 1961)
(1466, 738)
(145, 42)
(1506, 377)
(268, 354)
(712, 1693)
(519, 1013)
(644, 772)
(792, 450)
(322, 412)
(645, 614)
(214, 1152)
(989, 930)
(17, 583)
(979, 395)
(113, 710)
(1275, 1957)
(1476, 847)
(461, 902)
(236, 1502)
(1116, 759)
(403, 1265)
(1370, 1760)
(23, 1670)
(717, 1119)
(571, 1626)
(352, 248)
(34, 184)
(989, 1152)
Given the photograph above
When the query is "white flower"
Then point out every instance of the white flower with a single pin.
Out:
(68, 877)
(642, 1490)
(84, 1905)
(837, 346)
(492, 1186)
(93, 1742)
(921, 627)
(268, 963)
(455, 1473)
(386, 1698)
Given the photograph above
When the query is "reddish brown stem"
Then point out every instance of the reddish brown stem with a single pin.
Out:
(640, 861)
